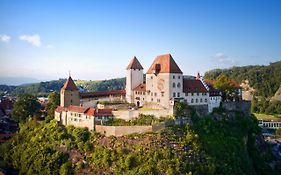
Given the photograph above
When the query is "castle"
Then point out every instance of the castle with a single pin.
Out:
(164, 85)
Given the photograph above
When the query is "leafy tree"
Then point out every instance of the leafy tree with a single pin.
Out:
(225, 85)
(25, 106)
(53, 102)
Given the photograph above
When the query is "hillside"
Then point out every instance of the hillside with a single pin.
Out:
(264, 79)
(44, 88)
(228, 146)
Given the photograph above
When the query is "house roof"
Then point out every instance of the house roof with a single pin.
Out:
(102, 93)
(164, 64)
(193, 86)
(78, 109)
(134, 64)
(87, 111)
(103, 112)
(141, 87)
(69, 85)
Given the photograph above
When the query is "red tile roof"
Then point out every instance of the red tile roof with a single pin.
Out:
(90, 112)
(103, 112)
(60, 109)
(193, 86)
(102, 93)
(78, 109)
(164, 64)
(69, 85)
(86, 111)
(141, 88)
(134, 64)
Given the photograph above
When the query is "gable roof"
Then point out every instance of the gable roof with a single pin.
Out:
(87, 111)
(134, 64)
(164, 64)
(193, 86)
(141, 87)
(69, 85)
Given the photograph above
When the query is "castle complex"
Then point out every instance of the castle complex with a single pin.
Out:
(164, 85)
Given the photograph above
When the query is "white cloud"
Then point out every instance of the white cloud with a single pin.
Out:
(222, 60)
(5, 38)
(32, 39)
(49, 46)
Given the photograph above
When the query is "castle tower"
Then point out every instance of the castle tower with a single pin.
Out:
(69, 94)
(164, 81)
(134, 78)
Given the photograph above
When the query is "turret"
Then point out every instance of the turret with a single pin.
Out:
(69, 94)
(134, 78)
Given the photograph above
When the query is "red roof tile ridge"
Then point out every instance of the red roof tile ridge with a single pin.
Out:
(69, 85)
(134, 64)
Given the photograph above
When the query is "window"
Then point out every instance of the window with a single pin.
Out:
(71, 101)
(186, 94)
(192, 94)
(192, 100)
(174, 94)
(155, 94)
(158, 100)
(196, 100)
(173, 77)
(201, 100)
(136, 92)
(206, 100)
(178, 94)
(71, 94)
(179, 77)
(179, 85)
(197, 94)
(151, 99)
(162, 94)
(174, 85)
(151, 77)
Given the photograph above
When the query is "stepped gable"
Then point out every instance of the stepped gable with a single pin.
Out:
(193, 86)
(134, 64)
(164, 64)
(69, 85)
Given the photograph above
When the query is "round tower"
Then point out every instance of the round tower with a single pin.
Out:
(134, 78)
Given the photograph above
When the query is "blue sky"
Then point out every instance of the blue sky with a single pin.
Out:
(97, 39)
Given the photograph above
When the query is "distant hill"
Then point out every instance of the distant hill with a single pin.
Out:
(264, 79)
(44, 88)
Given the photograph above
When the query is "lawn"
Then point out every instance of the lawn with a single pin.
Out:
(267, 116)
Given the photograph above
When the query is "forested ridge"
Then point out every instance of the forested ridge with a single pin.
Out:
(44, 88)
(265, 79)
(208, 146)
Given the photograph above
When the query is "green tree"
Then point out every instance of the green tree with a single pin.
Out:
(53, 102)
(278, 132)
(225, 85)
(25, 106)
(254, 103)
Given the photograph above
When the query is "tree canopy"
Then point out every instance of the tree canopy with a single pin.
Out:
(26, 106)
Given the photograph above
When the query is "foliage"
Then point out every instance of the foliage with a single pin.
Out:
(44, 88)
(53, 102)
(26, 106)
(183, 110)
(141, 120)
(227, 87)
(227, 146)
(265, 79)
(265, 106)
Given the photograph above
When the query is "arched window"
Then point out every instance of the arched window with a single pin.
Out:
(192, 100)
(201, 100)
(196, 100)
(174, 85)
(179, 85)
(205, 100)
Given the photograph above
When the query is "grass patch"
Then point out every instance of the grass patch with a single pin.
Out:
(267, 116)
